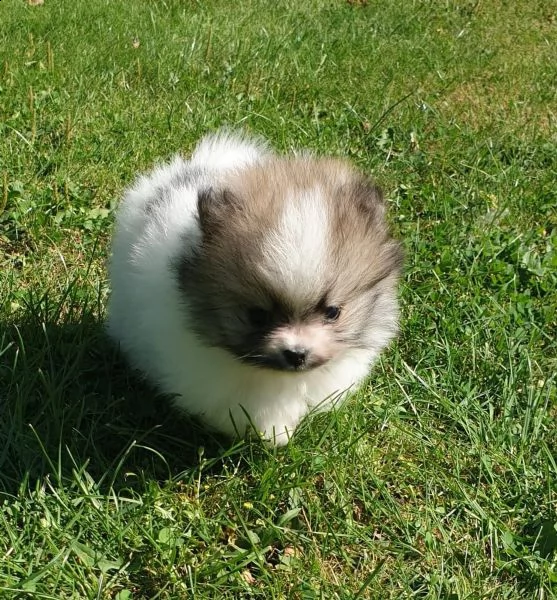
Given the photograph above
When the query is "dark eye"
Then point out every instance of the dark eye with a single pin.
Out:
(332, 313)
(259, 317)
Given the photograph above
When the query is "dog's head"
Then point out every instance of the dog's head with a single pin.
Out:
(296, 265)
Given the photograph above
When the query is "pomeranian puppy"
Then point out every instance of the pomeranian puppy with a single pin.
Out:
(253, 287)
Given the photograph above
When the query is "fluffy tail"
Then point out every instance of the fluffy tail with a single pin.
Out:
(229, 150)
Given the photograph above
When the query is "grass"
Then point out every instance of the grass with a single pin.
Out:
(439, 479)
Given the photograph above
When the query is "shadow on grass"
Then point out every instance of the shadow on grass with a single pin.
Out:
(69, 403)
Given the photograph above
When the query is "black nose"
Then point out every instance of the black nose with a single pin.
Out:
(295, 358)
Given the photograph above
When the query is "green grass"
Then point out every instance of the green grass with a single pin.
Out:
(439, 479)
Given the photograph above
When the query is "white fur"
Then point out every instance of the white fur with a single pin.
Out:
(227, 150)
(295, 253)
(148, 318)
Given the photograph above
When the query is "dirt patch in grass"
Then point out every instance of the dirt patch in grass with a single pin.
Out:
(507, 74)
(481, 104)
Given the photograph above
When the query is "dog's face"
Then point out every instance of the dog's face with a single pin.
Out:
(296, 265)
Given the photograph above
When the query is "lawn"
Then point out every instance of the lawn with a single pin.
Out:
(438, 480)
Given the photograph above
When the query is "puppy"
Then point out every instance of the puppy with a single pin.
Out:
(253, 287)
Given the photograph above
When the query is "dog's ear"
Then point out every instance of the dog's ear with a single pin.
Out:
(214, 207)
(369, 198)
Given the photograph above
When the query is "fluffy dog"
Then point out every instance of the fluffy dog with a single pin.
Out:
(253, 287)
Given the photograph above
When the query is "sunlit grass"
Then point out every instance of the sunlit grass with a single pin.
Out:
(438, 480)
